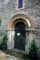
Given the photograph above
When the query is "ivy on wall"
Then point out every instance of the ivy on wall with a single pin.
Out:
(33, 51)
(0, 21)
(3, 45)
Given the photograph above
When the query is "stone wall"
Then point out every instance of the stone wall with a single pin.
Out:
(32, 8)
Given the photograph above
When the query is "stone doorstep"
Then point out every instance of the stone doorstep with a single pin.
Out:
(7, 56)
(16, 53)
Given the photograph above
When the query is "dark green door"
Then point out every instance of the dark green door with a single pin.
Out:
(20, 36)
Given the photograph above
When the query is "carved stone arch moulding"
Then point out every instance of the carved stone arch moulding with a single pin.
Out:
(13, 21)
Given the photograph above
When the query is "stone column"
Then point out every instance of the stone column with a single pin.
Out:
(9, 40)
(28, 42)
(10, 43)
(13, 34)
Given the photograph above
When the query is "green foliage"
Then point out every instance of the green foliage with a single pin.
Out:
(33, 51)
(5, 39)
(33, 45)
(0, 22)
(4, 43)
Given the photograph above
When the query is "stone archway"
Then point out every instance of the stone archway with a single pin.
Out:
(12, 21)
(11, 27)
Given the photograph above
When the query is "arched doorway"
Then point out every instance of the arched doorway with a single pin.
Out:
(20, 35)
(16, 31)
